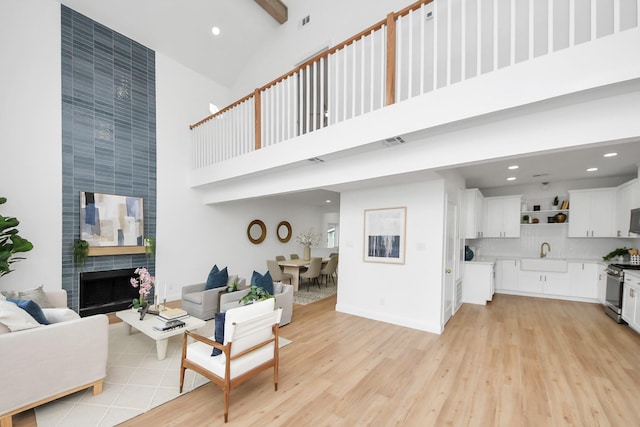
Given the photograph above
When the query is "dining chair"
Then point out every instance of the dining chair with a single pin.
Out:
(294, 256)
(328, 270)
(280, 258)
(313, 272)
(276, 274)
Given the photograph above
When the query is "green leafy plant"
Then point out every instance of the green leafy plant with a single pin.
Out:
(10, 242)
(150, 246)
(256, 293)
(616, 252)
(80, 252)
(233, 287)
(556, 201)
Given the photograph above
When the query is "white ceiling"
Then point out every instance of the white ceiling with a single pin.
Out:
(181, 30)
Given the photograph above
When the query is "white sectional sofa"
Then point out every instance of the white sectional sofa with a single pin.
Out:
(47, 362)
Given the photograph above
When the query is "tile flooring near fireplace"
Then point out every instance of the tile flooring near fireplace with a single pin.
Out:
(136, 382)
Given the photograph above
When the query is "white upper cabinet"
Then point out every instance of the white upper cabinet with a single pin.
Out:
(502, 216)
(627, 198)
(475, 213)
(592, 212)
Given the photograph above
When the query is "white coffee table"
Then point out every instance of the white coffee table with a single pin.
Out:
(131, 319)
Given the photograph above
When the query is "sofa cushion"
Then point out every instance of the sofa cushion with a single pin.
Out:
(277, 288)
(4, 329)
(35, 294)
(265, 282)
(15, 318)
(194, 297)
(219, 332)
(57, 315)
(32, 308)
(217, 279)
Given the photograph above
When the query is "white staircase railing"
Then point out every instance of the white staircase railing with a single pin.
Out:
(427, 46)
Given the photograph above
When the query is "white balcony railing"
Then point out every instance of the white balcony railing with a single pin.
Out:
(427, 46)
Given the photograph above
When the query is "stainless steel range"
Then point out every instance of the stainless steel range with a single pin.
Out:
(615, 279)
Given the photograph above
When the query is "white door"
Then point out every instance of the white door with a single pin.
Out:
(449, 262)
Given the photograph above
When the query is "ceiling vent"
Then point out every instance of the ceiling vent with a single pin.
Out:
(396, 140)
(316, 160)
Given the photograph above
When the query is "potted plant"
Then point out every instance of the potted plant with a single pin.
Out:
(556, 201)
(150, 246)
(80, 252)
(525, 219)
(308, 239)
(144, 282)
(10, 242)
(256, 293)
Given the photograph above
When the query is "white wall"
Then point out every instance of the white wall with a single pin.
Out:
(409, 294)
(30, 119)
(332, 21)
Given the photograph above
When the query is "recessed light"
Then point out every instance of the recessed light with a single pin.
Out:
(511, 178)
(610, 155)
(592, 169)
(513, 167)
(327, 201)
(215, 31)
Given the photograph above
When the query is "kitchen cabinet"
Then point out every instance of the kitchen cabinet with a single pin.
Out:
(502, 216)
(474, 213)
(548, 283)
(507, 274)
(592, 212)
(627, 198)
(631, 301)
(583, 279)
(478, 282)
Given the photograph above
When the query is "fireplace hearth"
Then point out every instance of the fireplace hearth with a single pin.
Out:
(106, 291)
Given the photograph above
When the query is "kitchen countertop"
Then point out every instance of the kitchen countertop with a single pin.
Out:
(493, 259)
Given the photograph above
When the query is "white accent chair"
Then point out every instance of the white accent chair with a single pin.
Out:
(250, 346)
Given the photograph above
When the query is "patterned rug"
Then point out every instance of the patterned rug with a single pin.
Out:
(136, 382)
(304, 297)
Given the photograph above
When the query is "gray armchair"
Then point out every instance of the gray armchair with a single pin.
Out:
(284, 300)
(204, 304)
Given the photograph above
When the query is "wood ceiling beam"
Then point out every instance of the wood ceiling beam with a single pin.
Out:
(276, 8)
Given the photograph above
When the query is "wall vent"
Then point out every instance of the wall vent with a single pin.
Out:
(396, 140)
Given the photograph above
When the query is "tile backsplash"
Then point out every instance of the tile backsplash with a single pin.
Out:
(532, 236)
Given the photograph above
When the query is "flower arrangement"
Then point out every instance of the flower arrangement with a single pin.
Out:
(308, 238)
(256, 293)
(144, 282)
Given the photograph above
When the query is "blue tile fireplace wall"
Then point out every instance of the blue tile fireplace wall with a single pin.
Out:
(108, 133)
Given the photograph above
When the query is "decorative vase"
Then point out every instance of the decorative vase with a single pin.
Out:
(307, 253)
(560, 217)
(468, 253)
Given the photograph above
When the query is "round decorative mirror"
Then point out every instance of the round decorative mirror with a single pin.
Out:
(284, 231)
(257, 231)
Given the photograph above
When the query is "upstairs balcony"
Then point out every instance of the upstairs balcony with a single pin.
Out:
(435, 63)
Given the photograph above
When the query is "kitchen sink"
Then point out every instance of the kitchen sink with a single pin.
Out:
(543, 264)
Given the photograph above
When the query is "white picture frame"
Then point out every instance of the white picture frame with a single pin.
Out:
(385, 235)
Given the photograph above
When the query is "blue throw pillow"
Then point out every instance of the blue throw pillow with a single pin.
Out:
(32, 308)
(219, 332)
(217, 278)
(265, 282)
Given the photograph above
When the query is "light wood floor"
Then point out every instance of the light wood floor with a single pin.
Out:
(516, 362)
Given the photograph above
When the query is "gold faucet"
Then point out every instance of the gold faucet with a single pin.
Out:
(542, 252)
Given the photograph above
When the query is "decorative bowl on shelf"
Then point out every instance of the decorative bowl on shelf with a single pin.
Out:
(560, 217)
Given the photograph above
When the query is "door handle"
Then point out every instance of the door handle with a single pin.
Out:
(448, 271)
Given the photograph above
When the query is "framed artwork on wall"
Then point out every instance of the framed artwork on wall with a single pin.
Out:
(112, 224)
(385, 235)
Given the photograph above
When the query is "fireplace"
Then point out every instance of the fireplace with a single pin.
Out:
(106, 291)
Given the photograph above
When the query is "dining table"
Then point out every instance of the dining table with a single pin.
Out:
(293, 267)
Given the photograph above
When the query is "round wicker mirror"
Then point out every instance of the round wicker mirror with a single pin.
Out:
(257, 231)
(284, 227)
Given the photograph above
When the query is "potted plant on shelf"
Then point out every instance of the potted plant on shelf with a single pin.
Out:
(80, 252)
(556, 201)
(10, 242)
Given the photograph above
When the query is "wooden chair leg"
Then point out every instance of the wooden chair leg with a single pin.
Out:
(226, 404)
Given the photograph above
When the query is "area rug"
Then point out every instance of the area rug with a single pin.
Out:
(304, 297)
(136, 382)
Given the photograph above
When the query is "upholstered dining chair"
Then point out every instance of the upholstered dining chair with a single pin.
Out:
(294, 256)
(250, 345)
(313, 272)
(328, 270)
(280, 258)
(276, 274)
